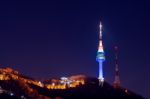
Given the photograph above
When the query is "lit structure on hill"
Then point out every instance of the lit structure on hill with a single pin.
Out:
(64, 83)
(100, 56)
(10, 74)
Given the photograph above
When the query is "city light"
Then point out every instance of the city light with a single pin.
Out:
(64, 83)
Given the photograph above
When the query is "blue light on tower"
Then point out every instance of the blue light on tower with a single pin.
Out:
(100, 58)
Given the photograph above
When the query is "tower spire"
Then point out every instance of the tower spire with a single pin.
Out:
(100, 47)
(117, 78)
(100, 55)
(100, 31)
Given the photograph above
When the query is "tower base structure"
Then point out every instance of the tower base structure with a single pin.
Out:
(101, 81)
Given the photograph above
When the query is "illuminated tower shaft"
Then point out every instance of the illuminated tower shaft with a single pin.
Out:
(100, 55)
(101, 77)
(117, 78)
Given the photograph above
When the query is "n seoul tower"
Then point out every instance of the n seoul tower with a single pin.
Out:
(100, 58)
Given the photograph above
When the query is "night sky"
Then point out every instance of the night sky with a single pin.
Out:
(52, 38)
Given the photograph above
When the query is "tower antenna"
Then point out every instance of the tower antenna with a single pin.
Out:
(100, 31)
(117, 78)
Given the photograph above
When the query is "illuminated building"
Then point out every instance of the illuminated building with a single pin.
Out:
(64, 83)
(100, 58)
(117, 78)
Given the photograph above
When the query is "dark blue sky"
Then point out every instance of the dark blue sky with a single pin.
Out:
(57, 38)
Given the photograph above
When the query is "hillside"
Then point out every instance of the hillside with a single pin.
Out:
(14, 85)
